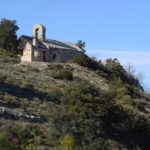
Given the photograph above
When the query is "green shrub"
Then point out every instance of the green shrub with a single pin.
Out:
(16, 137)
(55, 66)
(139, 104)
(63, 74)
(85, 61)
(25, 104)
(131, 123)
(68, 143)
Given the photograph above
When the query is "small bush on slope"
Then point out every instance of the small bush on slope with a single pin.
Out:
(85, 61)
(63, 74)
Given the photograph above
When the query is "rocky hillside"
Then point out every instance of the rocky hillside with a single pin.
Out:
(81, 105)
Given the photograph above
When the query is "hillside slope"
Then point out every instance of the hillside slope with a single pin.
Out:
(67, 106)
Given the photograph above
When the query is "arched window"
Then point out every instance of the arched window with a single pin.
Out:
(37, 33)
(54, 58)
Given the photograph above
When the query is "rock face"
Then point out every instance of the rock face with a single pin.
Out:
(38, 48)
(8, 115)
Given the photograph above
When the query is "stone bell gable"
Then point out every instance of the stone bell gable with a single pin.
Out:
(38, 48)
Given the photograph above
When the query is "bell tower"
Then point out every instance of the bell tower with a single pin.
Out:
(38, 33)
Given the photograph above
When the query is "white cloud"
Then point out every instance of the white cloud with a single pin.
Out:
(134, 57)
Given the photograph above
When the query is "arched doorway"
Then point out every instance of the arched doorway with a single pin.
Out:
(54, 58)
(44, 56)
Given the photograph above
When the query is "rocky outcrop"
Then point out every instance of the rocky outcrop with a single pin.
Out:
(6, 114)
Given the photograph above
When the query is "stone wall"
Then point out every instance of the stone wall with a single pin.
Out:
(27, 53)
(54, 55)
(63, 55)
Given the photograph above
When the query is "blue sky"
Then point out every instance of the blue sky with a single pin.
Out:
(110, 28)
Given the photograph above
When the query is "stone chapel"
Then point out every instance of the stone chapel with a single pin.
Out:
(38, 48)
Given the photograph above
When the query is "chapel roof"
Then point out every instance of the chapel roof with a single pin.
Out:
(52, 44)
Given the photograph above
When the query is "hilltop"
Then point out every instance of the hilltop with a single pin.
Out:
(82, 104)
